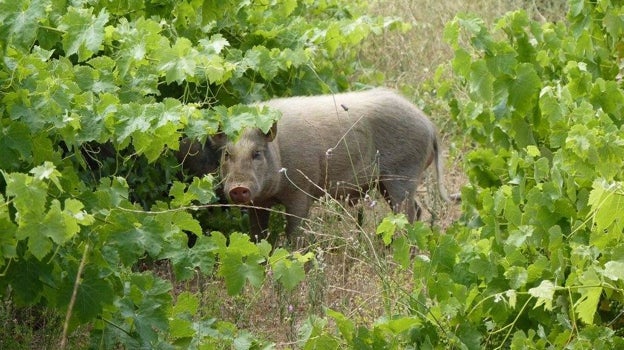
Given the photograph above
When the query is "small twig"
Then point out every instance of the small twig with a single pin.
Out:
(73, 297)
(510, 326)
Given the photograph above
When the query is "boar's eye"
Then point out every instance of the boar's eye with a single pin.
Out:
(256, 155)
(226, 155)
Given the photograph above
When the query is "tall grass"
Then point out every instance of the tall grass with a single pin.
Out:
(409, 59)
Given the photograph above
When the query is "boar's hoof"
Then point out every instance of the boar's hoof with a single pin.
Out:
(240, 195)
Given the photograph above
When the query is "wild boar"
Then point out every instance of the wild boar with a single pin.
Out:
(342, 144)
(198, 159)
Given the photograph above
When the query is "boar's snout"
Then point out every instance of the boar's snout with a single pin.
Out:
(240, 195)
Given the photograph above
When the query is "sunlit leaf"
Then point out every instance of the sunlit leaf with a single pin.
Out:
(19, 21)
(236, 270)
(590, 290)
(388, 226)
(544, 293)
(614, 270)
(84, 33)
(289, 272)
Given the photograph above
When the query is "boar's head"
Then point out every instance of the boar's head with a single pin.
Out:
(250, 165)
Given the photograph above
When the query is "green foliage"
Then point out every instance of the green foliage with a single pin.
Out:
(536, 260)
(95, 96)
(541, 235)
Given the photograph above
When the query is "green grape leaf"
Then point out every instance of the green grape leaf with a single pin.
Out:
(544, 293)
(389, 225)
(56, 227)
(215, 44)
(607, 203)
(123, 231)
(30, 284)
(92, 295)
(524, 89)
(84, 33)
(39, 245)
(186, 263)
(401, 251)
(30, 194)
(181, 328)
(345, 325)
(517, 277)
(17, 145)
(47, 171)
(186, 303)
(614, 270)
(403, 324)
(240, 261)
(481, 81)
(179, 61)
(289, 272)
(518, 237)
(152, 144)
(147, 303)
(203, 189)
(235, 269)
(19, 22)
(186, 222)
(8, 240)
(590, 290)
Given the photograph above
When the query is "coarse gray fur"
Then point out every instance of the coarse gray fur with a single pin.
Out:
(340, 144)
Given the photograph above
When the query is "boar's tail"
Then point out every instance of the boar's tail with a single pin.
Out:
(439, 164)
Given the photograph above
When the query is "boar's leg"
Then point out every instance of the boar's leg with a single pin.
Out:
(259, 224)
(293, 230)
(297, 210)
(400, 195)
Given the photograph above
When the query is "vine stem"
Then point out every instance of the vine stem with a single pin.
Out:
(73, 297)
(513, 323)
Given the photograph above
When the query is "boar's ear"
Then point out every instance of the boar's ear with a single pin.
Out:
(187, 146)
(219, 139)
(270, 135)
